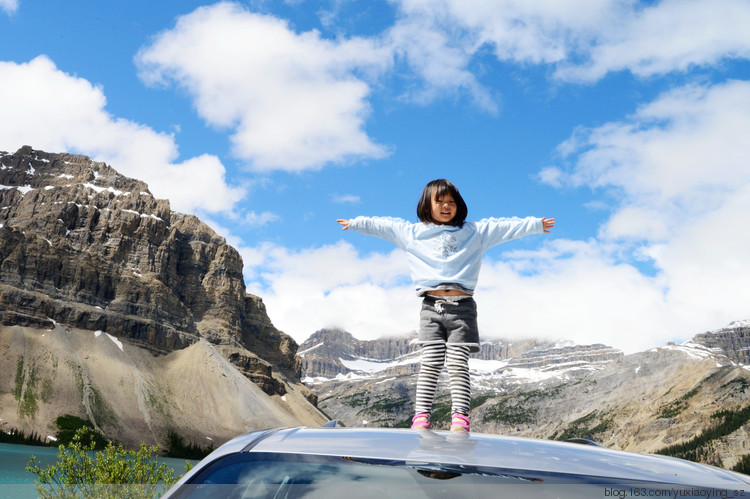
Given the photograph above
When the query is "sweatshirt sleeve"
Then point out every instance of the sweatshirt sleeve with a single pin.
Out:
(394, 230)
(495, 231)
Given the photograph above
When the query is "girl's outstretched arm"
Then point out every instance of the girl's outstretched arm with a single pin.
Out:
(394, 230)
(547, 223)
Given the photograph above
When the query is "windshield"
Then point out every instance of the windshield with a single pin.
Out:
(287, 476)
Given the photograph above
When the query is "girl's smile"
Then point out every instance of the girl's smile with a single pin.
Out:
(443, 208)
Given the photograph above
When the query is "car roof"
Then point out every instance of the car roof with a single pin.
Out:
(476, 449)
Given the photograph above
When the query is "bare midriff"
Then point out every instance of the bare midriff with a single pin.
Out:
(447, 292)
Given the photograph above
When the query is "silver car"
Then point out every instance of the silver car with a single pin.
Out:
(381, 463)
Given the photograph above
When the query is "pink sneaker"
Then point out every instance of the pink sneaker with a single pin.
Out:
(421, 421)
(459, 422)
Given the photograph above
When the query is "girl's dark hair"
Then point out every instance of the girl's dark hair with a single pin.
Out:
(442, 187)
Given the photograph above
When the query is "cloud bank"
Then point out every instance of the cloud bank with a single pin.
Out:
(34, 114)
(296, 101)
(582, 40)
(290, 101)
(675, 174)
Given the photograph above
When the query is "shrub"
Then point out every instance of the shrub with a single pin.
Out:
(81, 472)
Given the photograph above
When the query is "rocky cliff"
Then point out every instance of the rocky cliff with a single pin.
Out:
(565, 358)
(84, 248)
(732, 341)
(332, 353)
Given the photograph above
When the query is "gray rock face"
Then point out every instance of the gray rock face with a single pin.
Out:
(328, 353)
(84, 246)
(565, 357)
(732, 340)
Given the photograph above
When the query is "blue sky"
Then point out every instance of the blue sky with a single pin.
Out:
(627, 121)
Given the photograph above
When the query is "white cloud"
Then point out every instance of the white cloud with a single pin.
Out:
(673, 35)
(54, 111)
(292, 100)
(706, 263)
(9, 6)
(440, 59)
(583, 39)
(577, 292)
(517, 30)
(331, 266)
(333, 286)
(679, 157)
(346, 198)
(298, 101)
(571, 290)
(260, 219)
(678, 167)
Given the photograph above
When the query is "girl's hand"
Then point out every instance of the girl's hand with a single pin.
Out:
(547, 223)
(343, 222)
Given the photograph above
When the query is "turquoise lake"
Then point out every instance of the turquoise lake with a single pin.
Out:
(16, 482)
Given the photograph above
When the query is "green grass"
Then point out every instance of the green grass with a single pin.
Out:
(441, 410)
(47, 391)
(26, 396)
(533, 395)
(18, 389)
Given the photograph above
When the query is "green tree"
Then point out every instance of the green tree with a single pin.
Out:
(111, 473)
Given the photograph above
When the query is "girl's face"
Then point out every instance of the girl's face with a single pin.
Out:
(443, 208)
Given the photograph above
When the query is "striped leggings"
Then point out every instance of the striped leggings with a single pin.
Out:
(456, 358)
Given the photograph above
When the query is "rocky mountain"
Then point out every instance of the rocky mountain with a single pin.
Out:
(89, 259)
(332, 353)
(690, 400)
(732, 341)
(329, 353)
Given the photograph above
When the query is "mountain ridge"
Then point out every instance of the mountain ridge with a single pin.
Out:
(86, 252)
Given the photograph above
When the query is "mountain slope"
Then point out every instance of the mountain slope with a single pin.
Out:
(131, 395)
(83, 248)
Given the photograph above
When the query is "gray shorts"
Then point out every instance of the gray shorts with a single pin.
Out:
(449, 319)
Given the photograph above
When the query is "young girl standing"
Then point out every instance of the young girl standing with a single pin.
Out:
(445, 253)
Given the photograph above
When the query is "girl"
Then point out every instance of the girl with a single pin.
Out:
(445, 254)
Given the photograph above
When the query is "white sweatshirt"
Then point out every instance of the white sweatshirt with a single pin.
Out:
(444, 254)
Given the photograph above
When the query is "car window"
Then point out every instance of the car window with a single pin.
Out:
(287, 476)
(259, 475)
